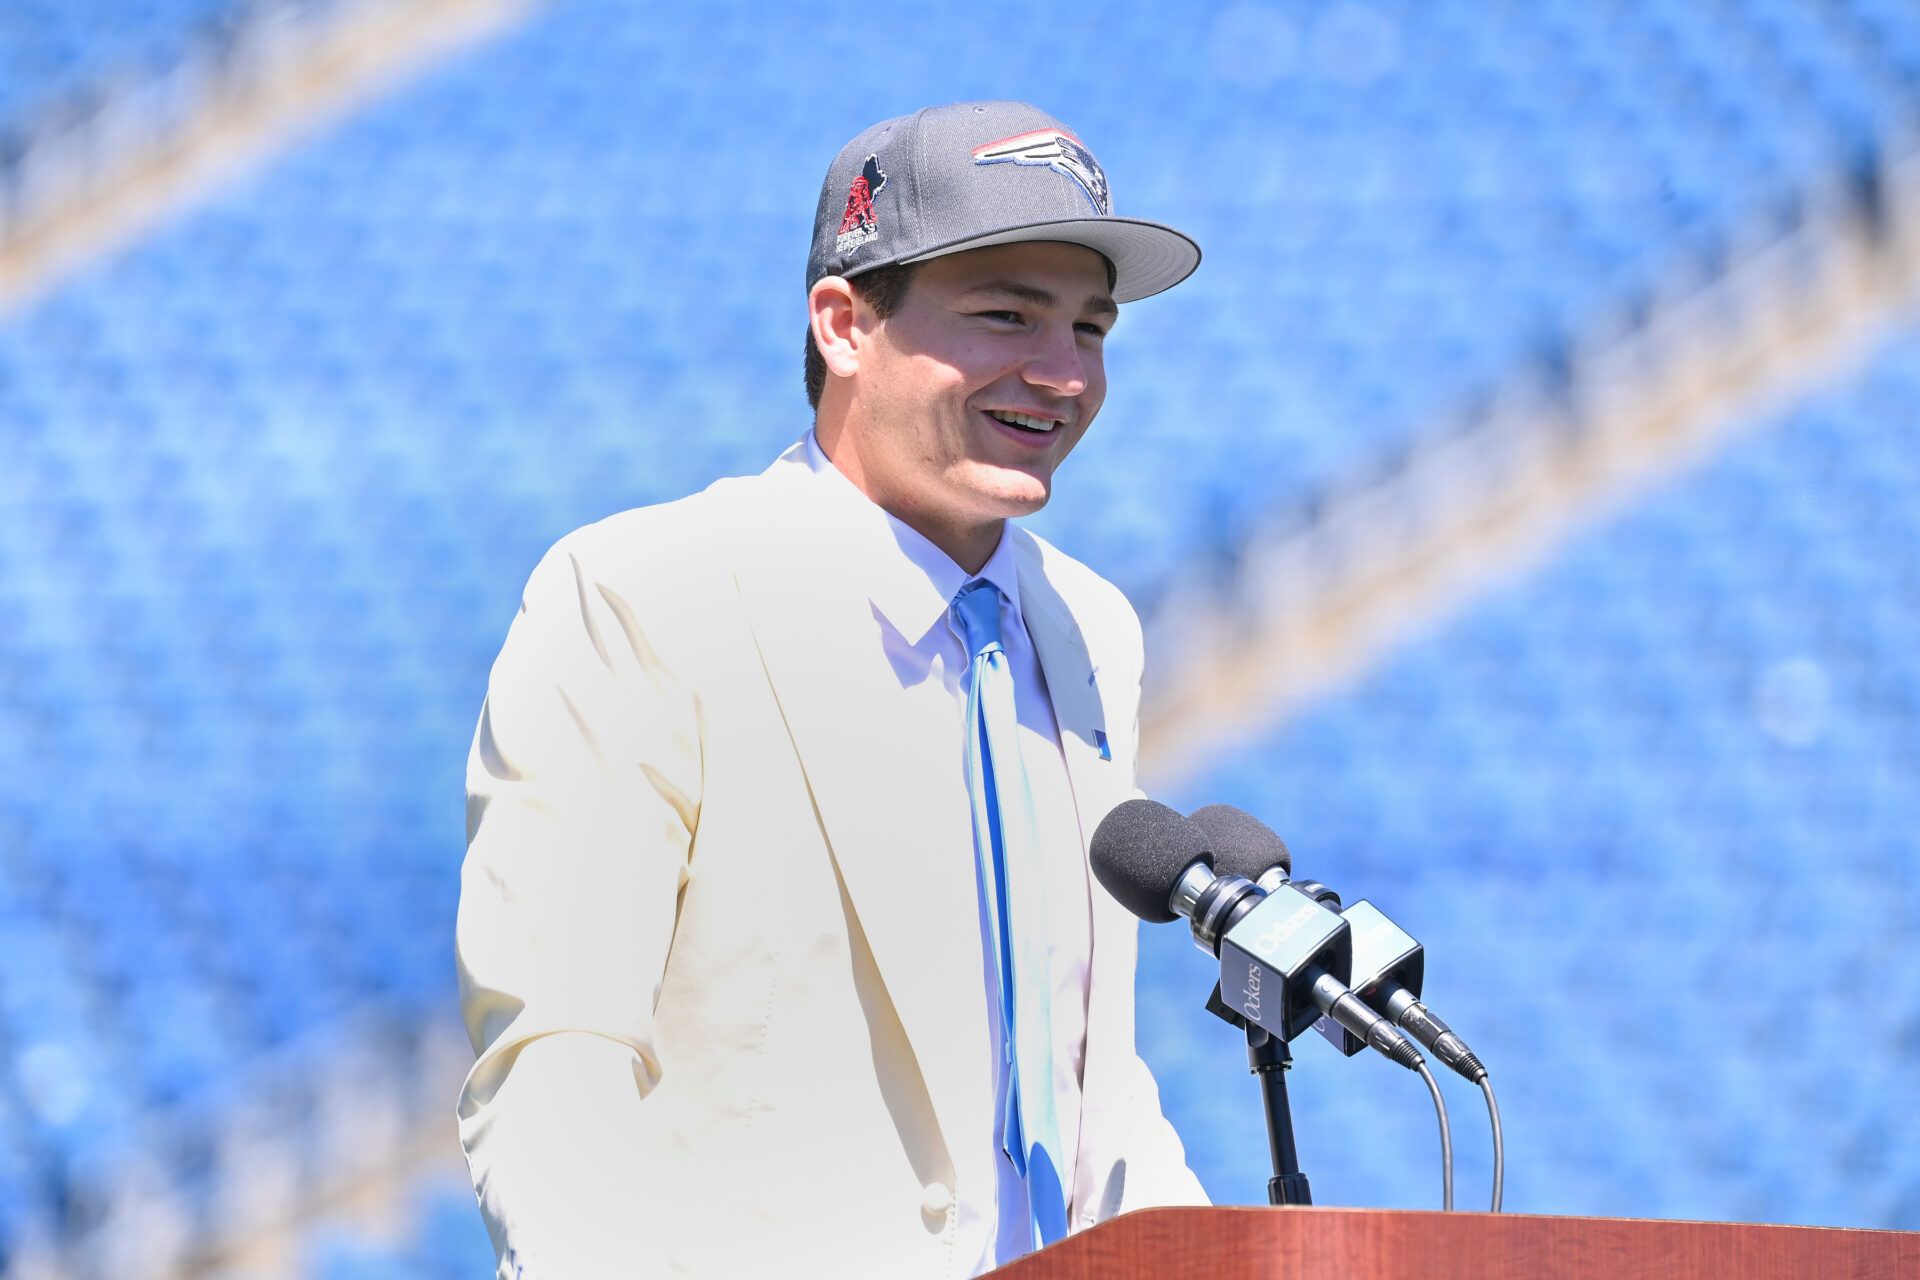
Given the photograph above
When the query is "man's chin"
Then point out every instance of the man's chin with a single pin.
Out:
(1013, 492)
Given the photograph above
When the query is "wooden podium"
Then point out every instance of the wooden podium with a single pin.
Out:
(1382, 1244)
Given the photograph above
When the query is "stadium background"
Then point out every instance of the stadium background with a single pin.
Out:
(1520, 499)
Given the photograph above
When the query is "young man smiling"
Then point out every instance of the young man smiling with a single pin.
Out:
(953, 412)
(777, 943)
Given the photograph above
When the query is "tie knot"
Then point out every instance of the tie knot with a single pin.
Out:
(978, 609)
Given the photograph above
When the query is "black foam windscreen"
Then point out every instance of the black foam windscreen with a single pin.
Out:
(1242, 845)
(1138, 852)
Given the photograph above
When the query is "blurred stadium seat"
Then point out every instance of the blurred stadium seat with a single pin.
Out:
(53, 51)
(442, 1239)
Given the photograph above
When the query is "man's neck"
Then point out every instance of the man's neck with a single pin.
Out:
(970, 550)
(969, 546)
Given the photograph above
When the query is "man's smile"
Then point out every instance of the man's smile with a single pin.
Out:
(1035, 423)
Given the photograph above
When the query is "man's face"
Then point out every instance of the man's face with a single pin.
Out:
(980, 384)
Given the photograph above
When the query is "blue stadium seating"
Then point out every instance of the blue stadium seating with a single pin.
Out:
(55, 51)
(443, 1240)
(1387, 237)
(1650, 811)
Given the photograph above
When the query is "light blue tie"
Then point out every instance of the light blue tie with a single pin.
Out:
(1006, 846)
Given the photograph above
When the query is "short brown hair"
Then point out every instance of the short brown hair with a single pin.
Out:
(883, 289)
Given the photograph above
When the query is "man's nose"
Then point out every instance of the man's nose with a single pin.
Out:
(1058, 363)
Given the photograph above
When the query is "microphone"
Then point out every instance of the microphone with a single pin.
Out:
(1283, 954)
(1389, 966)
(1148, 856)
(1254, 848)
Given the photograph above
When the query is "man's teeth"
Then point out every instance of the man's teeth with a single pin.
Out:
(1023, 421)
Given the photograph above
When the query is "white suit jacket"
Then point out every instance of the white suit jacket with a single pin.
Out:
(727, 1022)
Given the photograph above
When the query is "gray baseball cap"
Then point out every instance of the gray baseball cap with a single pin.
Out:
(975, 174)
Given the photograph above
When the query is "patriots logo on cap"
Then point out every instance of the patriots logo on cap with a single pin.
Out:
(1059, 151)
(858, 224)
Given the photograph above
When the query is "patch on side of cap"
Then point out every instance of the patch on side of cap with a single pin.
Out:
(858, 225)
(1059, 151)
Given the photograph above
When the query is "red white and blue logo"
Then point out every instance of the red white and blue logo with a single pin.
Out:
(1058, 150)
(858, 224)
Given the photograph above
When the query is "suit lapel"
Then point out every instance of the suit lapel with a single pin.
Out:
(880, 788)
(1099, 783)
(1072, 687)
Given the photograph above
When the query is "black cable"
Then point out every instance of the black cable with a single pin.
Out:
(1446, 1133)
(1499, 1142)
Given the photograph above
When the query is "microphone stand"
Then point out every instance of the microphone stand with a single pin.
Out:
(1269, 1058)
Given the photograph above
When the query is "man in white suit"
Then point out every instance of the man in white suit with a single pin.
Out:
(727, 955)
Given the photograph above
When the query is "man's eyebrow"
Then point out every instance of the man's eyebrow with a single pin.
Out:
(1033, 294)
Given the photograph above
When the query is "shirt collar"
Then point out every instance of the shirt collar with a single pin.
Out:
(908, 579)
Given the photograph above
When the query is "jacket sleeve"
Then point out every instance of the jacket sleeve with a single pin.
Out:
(583, 789)
(1157, 1171)
(1152, 1163)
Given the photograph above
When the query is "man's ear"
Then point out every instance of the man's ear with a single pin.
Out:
(830, 311)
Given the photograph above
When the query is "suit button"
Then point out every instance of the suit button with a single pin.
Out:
(936, 1200)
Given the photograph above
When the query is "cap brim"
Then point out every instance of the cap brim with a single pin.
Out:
(1147, 257)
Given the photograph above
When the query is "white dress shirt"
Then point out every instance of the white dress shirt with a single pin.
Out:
(911, 584)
